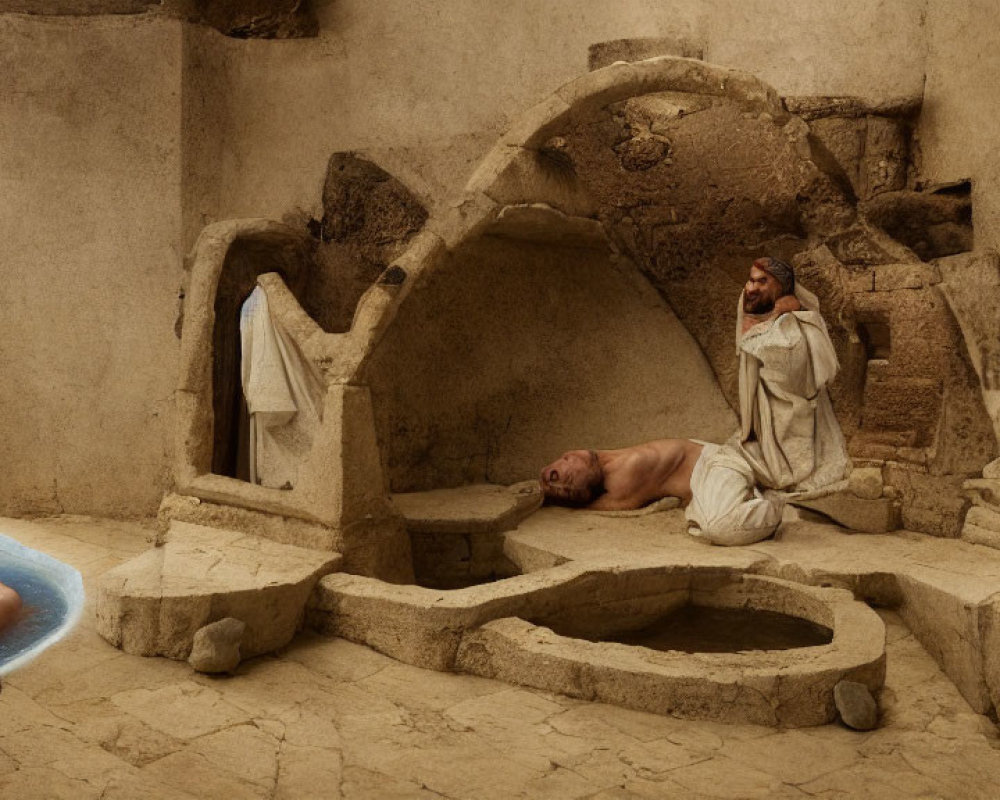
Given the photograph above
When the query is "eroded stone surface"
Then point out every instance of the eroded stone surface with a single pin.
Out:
(866, 482)
(479, 508)
(368, 218)
(330, 718)
(870, 515)
(855, 705)
(601, 54)
(154, 604)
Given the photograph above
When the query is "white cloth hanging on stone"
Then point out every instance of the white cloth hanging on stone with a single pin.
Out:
(283, 394)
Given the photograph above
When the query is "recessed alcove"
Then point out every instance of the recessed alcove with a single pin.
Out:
(246, 258)
(520, 349)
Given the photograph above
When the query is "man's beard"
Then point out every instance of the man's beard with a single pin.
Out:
(758, 305)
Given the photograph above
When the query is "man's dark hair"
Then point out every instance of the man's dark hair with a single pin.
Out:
(781, 270)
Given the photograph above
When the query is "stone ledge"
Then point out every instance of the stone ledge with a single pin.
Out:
(480, 508)
(154, 604)
(603, 54)
(811, 107)
(867, 515)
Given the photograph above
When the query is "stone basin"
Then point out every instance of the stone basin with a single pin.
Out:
(499, 631)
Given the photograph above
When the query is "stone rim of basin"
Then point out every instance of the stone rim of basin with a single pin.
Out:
(786, 688)
(485, 632)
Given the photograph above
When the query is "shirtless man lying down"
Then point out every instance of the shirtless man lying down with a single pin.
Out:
(723, 504)
(616, 480)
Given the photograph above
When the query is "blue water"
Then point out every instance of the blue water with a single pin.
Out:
(52, 593)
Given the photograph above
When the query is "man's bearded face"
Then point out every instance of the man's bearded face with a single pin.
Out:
(572, 478)
(761, 292)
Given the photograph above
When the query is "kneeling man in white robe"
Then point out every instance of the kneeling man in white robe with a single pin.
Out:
(789, 440)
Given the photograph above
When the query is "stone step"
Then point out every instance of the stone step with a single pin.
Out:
(880, 515)
(155, 603)
(982, 526)
(479, 508)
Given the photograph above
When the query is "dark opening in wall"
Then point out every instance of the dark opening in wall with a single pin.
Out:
(369, 217)
(959, 189)
(245, 260)
(877, 339)
(933, 223)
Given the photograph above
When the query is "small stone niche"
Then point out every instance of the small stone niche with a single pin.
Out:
(876, 337)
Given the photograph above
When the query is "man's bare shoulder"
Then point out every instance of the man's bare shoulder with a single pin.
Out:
(657, 458)
(667, 448)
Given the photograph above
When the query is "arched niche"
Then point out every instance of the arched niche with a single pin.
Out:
(527, 340)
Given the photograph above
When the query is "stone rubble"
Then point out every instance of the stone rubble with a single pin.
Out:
(856, 706)
(216, 647)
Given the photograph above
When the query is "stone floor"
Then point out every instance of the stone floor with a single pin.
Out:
(328, 719)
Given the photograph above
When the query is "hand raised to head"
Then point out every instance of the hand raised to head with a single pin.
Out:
(785, 303)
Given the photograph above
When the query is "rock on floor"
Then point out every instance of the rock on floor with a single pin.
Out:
(856, 705)
(216, 647)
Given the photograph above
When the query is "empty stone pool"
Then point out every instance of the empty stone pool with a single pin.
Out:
(585, 632)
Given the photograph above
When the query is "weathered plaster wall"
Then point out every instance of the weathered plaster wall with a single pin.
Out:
(959, 129)
(91, 261)
(426, 86)
(959, 139)
(516, 352)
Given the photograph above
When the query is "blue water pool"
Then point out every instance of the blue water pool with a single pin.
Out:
(52, 593)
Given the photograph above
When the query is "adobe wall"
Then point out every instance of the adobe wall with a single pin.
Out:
(426, 87)
(959, 139)
(959, 128)
(91, 253)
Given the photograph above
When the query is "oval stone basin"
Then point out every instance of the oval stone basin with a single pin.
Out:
(789, 687)
(552, 630)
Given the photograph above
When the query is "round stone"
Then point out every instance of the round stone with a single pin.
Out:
(856, 706)
(216, 647)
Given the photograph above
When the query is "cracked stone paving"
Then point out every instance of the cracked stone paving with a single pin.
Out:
(326, 718)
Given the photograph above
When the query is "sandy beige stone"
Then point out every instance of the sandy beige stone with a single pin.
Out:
(866, 482)
(156, 603)
(483, 508)
(347, 731)
(182, 710)
(858, 513)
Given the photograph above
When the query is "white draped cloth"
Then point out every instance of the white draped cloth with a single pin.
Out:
(283, 395)
(789, 434)
(789, 442)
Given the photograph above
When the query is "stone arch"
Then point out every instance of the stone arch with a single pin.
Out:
(691, 171)
(631, 169)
